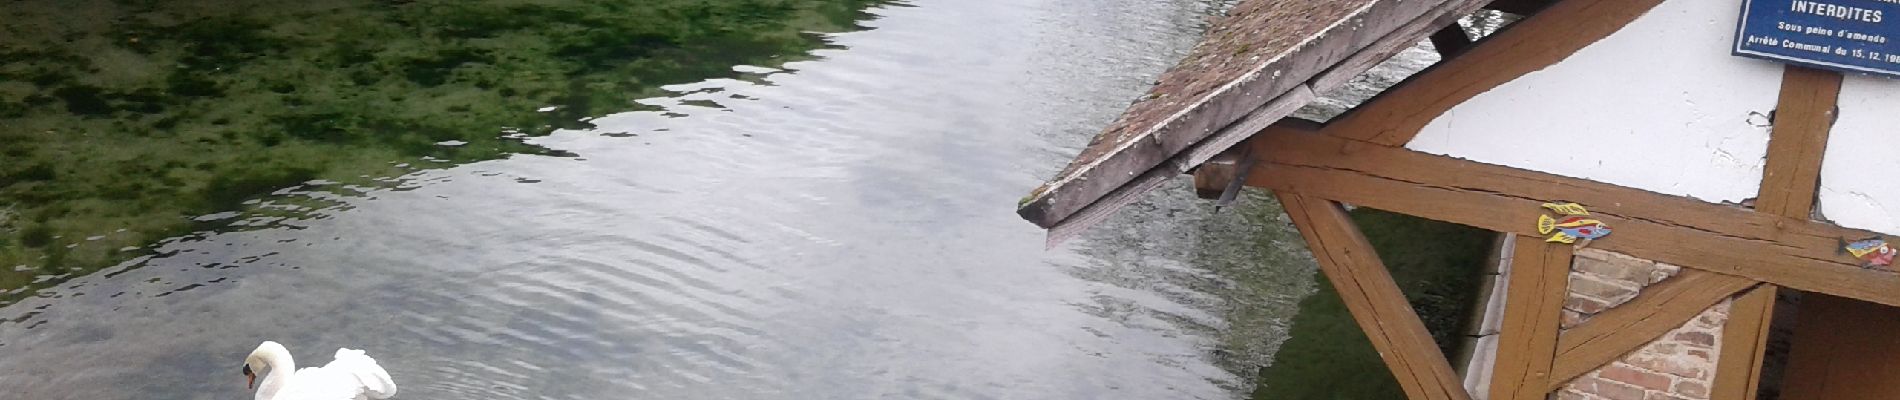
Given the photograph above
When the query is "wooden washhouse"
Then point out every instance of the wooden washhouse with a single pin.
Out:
(1737, 151)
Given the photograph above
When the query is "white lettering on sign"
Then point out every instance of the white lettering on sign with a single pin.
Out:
(1790, 44)
(1841, 12)
(1875, 39)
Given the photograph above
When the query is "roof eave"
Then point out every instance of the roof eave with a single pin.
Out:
(1269, 91)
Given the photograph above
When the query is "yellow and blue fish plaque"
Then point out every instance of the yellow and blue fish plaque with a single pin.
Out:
(1575, 223)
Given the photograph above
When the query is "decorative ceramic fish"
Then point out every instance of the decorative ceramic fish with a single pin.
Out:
(1571, 228)
(1567, 208)
(1872, 252)
(1576, 224)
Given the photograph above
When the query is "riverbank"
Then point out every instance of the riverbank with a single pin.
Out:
(126, 122)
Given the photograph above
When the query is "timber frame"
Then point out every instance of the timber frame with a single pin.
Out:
(1730, 250)
(1734, 253)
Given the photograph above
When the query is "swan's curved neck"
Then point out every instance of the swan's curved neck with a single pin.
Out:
(282, 367)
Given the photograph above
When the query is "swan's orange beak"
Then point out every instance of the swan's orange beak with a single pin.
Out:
(250, 379)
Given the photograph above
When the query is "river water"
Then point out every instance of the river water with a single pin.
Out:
(840, 228)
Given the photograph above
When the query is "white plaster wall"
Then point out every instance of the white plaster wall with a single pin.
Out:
(1659, 105)
(1860, 175)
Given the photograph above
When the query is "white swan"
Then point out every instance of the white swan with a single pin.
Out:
(351, 376)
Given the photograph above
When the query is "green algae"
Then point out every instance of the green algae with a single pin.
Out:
(122, 120)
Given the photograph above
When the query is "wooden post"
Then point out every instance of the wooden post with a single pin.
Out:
(1803, 117)
(1374, 299)
(1744, 337)
(1527, 342)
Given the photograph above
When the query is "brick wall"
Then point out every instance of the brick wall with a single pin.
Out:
(1600, 280)
(1678, 366)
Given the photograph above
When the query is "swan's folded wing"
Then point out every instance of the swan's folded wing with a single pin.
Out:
(353, 375)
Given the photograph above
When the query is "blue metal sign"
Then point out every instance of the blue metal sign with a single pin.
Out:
(1842, 35)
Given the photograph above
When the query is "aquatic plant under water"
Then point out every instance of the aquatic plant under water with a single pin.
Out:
(121, 120)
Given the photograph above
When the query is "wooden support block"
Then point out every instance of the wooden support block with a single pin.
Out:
(1450, 40)
(1527, 341)
(1373, 298)
(1744, 338)
(1657, 310)
(1209, 183)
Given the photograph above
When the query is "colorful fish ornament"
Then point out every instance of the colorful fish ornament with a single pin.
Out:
(1576, 224)
(1567, 208)
(1872, 252)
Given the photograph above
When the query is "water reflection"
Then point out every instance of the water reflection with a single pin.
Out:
(840, 227)
(122, 121)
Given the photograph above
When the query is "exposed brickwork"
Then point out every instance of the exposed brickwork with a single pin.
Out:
(1591, 387)
(1600, 280)
(1678, 366)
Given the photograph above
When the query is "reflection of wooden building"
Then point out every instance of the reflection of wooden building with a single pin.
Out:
(1709, 168)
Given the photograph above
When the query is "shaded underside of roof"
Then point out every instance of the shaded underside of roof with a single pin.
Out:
(1261, 52)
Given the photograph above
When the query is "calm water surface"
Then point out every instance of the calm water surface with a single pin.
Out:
(841, 228)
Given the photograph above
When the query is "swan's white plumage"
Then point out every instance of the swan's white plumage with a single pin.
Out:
(351, 376)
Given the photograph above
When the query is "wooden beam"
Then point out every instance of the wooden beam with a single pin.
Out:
(1657, 310)
(1534, 300)
(1539, 41)
(1744, 338)
(1374, 298)
(1790, 252)
(1802, 120)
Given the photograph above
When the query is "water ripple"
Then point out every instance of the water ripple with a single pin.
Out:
(839, 229)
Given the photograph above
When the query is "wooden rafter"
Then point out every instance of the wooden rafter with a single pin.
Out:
(1744, 337)
(1619, 330)
(1551, 35)
(1374, 299)
(1790, 252)
(1527, 340)
(1402, 38)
